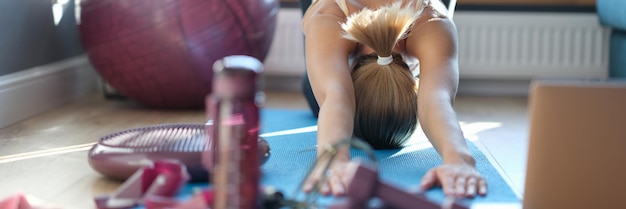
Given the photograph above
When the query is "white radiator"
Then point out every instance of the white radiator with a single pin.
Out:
(286, 56)
(526, 45)
(511, 45)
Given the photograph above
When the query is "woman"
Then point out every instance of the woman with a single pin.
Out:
(356, 55)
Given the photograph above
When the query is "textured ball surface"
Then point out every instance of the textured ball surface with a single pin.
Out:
(161, 52)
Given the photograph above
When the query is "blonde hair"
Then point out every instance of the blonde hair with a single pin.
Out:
(386, 95)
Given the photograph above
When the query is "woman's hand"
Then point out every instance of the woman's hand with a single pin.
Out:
(456, 179)
(332, 181)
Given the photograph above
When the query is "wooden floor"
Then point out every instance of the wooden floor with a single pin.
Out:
(46, 156)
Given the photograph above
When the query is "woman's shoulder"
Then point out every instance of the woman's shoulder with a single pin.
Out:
(322, 9)
(433, 10)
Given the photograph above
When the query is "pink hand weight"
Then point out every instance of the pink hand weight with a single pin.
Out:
(163, 178)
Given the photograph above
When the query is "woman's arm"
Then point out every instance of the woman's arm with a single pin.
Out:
(327, 67)
(434, 43)
(328, 70)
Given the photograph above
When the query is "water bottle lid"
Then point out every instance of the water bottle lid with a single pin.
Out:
(236, 75)
(238, 63)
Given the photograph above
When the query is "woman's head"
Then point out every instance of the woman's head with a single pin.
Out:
(385, 90)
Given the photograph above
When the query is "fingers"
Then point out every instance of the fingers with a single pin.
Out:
(428, 180)
(310, 182)
(313, 180)
(456, 182)
(442, 176)
(447, 183)
(460, 185)
(333, 185)
(471, 187)
(325, 190)
(482, 187)
(337, 186)
(326, 183)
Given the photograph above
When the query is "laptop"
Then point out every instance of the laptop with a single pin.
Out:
(577, 150)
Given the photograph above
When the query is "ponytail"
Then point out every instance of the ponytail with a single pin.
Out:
(385, 90)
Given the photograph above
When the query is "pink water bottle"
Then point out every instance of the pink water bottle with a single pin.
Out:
(233, 131)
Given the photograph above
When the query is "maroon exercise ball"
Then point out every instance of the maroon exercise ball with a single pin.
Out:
(161, 52)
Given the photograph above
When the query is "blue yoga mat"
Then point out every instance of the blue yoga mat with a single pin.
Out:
(291, 133)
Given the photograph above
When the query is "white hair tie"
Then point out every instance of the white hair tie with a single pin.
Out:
(384, 60)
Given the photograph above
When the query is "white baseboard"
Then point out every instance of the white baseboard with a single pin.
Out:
(30, 92)
(494, 87)
(283, 82)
